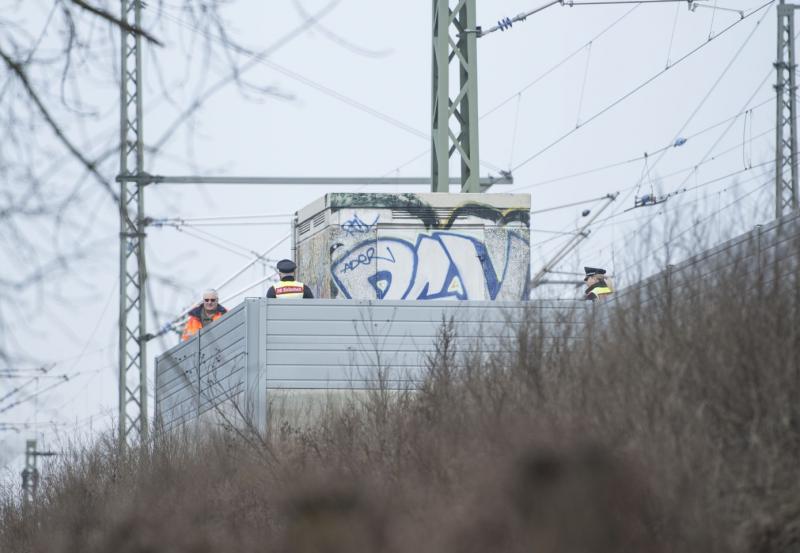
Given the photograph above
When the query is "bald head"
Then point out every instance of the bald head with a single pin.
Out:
(210, 299)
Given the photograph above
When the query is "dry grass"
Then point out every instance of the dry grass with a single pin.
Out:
(673, 426)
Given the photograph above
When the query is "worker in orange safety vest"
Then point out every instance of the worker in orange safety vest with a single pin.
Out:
(205, 313)
(288, 287)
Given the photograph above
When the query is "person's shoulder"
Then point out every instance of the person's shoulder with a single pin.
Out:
(195, 311)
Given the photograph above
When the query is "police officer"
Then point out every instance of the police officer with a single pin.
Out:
(596, 283)
(288, 286)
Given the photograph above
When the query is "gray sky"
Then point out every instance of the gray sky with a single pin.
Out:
(377, 55)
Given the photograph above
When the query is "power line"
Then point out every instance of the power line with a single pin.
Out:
(642, 157)
(506, 23)
(561, 62)
(638, 88)
(35, 395)
(219, 242)
(177, 319)
(522, 90)
(661, 212)
(180, 224)
(713, 87)
(571, 204)
(602, 222)
(219, 217)
(698, 223)
(260, 58)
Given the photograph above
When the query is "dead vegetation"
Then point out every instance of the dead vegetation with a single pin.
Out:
(672, 425)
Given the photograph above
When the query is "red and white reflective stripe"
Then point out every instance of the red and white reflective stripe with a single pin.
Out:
(289, 290)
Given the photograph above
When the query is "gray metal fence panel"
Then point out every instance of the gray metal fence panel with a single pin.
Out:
(230, 367)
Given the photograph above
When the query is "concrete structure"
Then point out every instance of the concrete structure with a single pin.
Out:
(415, 246)
(268, 360)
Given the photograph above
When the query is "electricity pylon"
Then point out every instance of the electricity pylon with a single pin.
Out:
(452, 43)
(132, 272)
(786, 117)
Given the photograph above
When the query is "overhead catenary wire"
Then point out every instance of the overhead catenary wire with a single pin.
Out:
(718, 140)
(506, 23)
(184, 312)
(583, 86)
(571, 204)
(697, 223)
(259, 58)
(649, 219)
(529, 85)
(672, 35)
(514, 133)
(731, 123)
(39, 393)
(219, 242)
(641, 157)
(220, 218)
(178, 224)
(31, 379)
(687, 202)
(603, 221)
(559, 63)
(708, 93)
(638, 88)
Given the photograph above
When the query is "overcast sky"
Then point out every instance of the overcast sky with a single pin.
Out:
(351, 97)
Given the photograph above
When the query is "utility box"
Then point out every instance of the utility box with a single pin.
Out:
(415, 246)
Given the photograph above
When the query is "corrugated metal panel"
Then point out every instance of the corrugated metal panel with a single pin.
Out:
(230, 368)
(200, 372)
(333, 344)
(773, 248)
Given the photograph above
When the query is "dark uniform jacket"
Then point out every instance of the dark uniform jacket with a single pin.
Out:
(289, 288)
(596, 290)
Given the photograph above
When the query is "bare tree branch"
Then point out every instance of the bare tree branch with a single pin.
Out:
(118, 22)
(17, 69)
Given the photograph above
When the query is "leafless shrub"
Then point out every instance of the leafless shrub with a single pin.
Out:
(664, 420)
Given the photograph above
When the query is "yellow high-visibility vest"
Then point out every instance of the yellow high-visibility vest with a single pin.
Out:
(600, 291)
(289, 289)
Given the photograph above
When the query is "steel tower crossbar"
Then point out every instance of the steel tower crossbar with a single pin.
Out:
(452, 44)
(132, 345)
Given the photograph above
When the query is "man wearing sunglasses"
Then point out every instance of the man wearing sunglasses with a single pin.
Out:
(205, 313)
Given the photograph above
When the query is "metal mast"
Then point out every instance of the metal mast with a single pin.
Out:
(132, 273)
(786, 191)
(30, 474)
(460, 46)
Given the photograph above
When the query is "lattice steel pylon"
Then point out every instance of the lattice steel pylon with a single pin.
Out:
(133, 423)
(786, 191)
(452, 42)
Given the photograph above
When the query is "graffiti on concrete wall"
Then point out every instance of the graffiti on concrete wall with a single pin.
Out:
(405, 246)
(356, 226)
(442, 265)
(430, 217)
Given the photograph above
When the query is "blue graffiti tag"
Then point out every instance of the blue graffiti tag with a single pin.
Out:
(357, 226)
(366, 258)
(441, 265)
